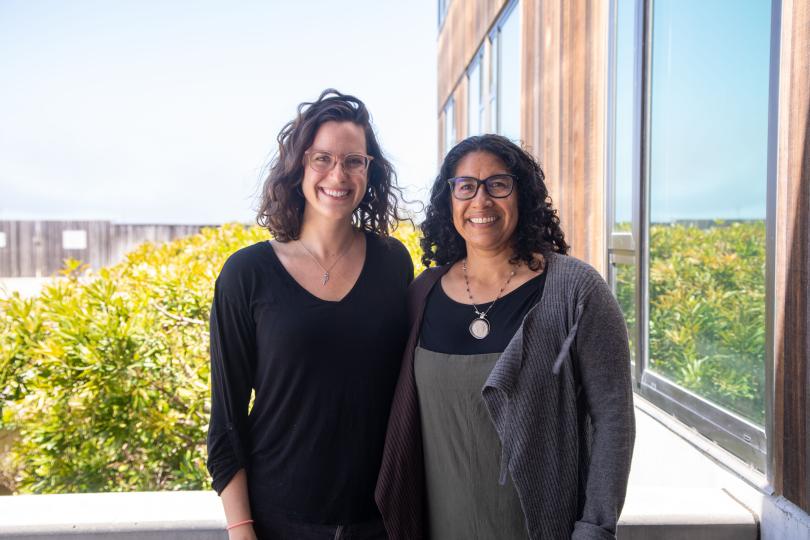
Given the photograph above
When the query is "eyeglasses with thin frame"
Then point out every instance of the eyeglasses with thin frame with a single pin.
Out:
(497, 186)
(323, 162)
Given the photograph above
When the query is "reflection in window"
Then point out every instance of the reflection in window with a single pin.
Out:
(449, 126)
(622, 243)
(475, 103)
(494, 56)
(509, 89)
(708, 154)
(442, 5)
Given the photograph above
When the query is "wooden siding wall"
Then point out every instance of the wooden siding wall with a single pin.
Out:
(564, 104)
(464, 29)
(563, 100)
(791, 455)
(34, 248)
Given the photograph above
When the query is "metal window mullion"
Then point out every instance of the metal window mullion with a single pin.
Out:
(610, 138)
(770, 233)
(641, 177)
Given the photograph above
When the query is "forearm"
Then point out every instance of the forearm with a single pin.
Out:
(237, 507)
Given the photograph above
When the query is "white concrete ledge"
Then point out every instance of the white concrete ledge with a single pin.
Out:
(666, 513)
(169, 515)
(660, 513)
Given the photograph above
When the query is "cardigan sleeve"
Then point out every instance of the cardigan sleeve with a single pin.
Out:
(232, 360)
(603, 360)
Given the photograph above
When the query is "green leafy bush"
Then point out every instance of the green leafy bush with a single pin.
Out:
(104, 377)
(707, 311)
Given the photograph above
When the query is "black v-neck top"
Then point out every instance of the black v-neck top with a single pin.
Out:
(324, 374)
(446, 323)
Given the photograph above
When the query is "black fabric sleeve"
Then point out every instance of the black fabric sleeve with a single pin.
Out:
(233, 352)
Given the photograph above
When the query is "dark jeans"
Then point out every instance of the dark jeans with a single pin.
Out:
(279, 527)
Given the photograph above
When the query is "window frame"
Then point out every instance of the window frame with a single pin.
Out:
(449, 107)
(750, 442)
(479, 108)
(495, 64)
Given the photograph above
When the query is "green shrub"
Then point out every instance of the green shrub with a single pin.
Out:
(707, 311)
(105, 377)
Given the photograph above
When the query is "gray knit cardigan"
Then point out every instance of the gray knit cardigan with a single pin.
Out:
(561, 400)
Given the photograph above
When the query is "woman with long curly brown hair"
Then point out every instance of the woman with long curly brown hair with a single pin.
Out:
(513, 414)
(313, 323)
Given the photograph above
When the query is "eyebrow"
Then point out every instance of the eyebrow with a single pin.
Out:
(313, 149)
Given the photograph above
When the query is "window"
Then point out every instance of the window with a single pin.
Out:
(475, 97)
(442, 5)
(509, 50)
(504, 73)
(449, 125)
(492, 110)
(688, 180)
(2, 240)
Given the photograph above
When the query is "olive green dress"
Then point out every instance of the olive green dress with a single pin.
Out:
(462, 451)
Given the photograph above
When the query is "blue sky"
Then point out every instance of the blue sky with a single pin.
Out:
(148, 111)
(709, 122)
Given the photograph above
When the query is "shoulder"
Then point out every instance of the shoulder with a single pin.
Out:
(425, 281)
(572, 271)
(245, 260)
(392, 255)
(578, 282)
(390, 246)
(243, 268)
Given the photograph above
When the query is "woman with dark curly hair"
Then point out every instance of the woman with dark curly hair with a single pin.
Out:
(313, 323)
(513, 414)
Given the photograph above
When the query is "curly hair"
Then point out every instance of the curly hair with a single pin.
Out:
(282, 203)
(538, 228)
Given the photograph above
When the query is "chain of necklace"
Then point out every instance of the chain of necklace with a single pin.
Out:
(479, 327)
(327, 270)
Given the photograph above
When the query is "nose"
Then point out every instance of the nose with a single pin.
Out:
(337, 172)
(482, 198)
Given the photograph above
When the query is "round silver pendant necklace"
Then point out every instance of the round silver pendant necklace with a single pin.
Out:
(479, 327)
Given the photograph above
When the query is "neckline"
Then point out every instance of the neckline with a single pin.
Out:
(510, 293)
(300, 287)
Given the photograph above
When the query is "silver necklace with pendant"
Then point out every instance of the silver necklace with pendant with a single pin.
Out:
(326, 271)
(479, 327)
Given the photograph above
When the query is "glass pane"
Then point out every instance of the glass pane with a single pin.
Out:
(474, 100)
(624, 287)
(510, 57)
(624, 117)
(449, 126)
(709, 134)
(494, 71)
(623, 271)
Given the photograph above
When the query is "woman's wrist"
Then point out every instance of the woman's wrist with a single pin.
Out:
(242, 532)
(241, 523)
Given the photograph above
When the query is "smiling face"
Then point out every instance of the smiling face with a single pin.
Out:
(485, 223)
(335, 194)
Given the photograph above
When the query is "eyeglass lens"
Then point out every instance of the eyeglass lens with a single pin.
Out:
(497, 186)
(325, 162)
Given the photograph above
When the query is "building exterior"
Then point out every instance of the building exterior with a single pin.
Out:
(675, 139)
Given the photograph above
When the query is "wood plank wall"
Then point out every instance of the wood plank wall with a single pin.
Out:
(791, 459)
(563, 100)
(564, 104)
(34, 248)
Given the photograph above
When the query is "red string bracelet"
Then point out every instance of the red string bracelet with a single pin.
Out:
(238, 524)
